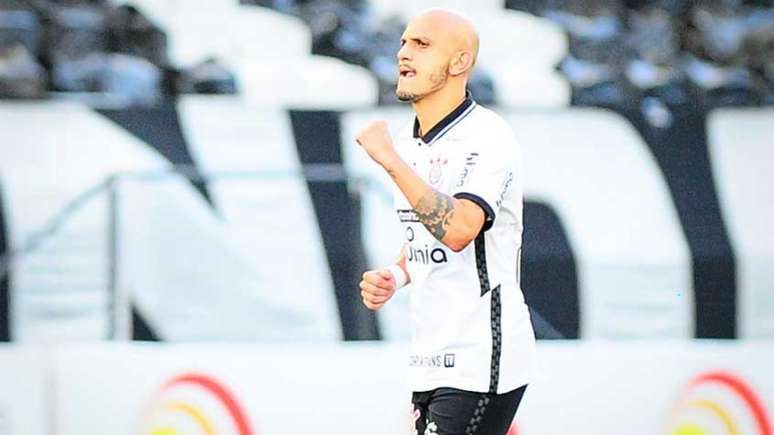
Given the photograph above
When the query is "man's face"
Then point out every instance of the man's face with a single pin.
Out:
(423, 62)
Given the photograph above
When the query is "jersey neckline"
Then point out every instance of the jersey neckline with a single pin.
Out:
(449, 121)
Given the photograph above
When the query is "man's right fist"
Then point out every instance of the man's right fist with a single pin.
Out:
(376, 288)
(376, 141)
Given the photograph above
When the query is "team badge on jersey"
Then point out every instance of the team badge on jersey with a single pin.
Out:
(436, 170)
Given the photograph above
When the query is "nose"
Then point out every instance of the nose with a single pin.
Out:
(404, 53)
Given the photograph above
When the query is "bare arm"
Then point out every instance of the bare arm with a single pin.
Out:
(454, 222)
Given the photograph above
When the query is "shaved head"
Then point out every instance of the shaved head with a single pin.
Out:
(452, 29)
(438, 51)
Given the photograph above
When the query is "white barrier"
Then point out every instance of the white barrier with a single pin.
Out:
(23, 386)
(59, 290)
(741, 152)
(651, 388)
(231, 390)
(584, 388)
(226, 135)
(633, 260)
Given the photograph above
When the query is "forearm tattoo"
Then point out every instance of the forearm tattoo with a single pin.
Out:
(435, 210)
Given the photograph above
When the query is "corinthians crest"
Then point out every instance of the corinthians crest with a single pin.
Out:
(436, 170)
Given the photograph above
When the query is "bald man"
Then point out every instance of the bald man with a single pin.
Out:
(457, 175)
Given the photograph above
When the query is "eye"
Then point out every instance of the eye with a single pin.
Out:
(402, 42)
(423, 44)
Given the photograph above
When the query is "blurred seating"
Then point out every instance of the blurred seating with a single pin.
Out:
(519, 38)
(207, 77)
(596, 56)
(129, 79)
(76, 31)
(610, 54)
(162, 11)
(21, 76)
(311, 82)
(134, 34)
(722, 86)
(519, 86)
(235, 36)
(240, 47)
(624, 52)
(409, 8)
(521, 52)
(157, 11)
(19, 26)
(339, 29)
(597, 84)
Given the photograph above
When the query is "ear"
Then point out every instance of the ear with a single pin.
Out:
(460, 63)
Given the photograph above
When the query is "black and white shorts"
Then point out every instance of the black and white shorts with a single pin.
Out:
(449, 411)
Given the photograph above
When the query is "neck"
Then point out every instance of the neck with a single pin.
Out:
(432, 108)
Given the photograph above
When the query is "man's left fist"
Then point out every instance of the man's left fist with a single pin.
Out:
(376, 141)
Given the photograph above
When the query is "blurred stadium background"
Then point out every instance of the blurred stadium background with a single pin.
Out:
(184, 215)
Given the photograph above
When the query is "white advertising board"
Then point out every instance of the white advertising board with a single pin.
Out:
(584, 388)
(651, 388)
(24, 402)
(231, 390)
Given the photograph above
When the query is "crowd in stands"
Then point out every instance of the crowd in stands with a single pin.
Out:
(679, 52)
(50, 48)
(716, 52)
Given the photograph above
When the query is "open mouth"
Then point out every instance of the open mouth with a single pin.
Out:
(406, 72)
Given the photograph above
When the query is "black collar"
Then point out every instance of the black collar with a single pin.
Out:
(447, 122)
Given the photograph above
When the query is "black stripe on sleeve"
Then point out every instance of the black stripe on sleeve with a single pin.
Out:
(488, 210)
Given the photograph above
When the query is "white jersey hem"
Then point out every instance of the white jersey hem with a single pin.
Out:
(475, 387)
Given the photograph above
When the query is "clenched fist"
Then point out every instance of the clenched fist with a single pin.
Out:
(376, 288)
(376, 141)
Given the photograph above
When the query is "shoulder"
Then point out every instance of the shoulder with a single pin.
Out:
(491, 130)
(490, 121)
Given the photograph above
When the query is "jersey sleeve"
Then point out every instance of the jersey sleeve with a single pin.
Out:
(487, 175)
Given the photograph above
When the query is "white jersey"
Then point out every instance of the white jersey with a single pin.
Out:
(472, 329)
